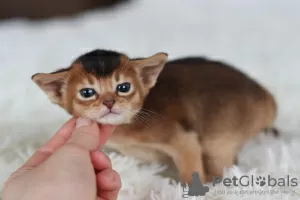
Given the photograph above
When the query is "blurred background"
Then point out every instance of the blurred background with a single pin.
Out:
(260, 37)
(42, 9)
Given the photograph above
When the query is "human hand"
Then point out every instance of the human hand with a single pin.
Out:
(68, 167)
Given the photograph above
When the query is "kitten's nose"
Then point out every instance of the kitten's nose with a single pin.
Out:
(109, 103)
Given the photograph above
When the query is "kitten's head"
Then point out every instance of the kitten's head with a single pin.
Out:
(105, 86)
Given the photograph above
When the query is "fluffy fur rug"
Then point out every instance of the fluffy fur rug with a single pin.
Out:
(259, 37)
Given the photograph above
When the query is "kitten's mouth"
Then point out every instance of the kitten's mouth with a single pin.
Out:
(110, 116)
(110, 112)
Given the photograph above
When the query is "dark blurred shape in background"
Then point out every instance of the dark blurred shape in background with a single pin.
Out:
(43, 9)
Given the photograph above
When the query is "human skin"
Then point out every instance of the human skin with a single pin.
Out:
(69, 166)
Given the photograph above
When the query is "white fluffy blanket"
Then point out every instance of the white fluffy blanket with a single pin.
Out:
(261, 37)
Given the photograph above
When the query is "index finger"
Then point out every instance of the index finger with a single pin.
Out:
(62, 135)
(60, 138)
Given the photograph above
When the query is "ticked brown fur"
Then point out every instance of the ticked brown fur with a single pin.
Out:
(196, 111)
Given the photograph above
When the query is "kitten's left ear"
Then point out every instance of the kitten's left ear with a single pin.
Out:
(150, 68)
(51, 84)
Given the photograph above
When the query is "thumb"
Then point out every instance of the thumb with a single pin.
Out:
(86, 134)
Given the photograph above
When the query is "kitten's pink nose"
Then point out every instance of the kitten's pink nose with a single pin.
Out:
(109, 103)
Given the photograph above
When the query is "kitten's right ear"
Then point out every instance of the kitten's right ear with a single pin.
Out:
(51, 84)
(149, 68)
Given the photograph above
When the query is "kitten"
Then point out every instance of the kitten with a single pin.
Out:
(196, 111)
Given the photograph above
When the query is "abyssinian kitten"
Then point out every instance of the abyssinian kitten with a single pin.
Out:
(196, 111)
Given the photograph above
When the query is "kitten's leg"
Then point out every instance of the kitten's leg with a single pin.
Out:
(219, 153)
(187, 156)
(186, 153)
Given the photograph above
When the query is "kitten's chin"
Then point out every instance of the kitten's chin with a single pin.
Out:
(112, 119)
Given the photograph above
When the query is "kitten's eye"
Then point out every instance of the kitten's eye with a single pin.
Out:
(87, 92)
(124, 87)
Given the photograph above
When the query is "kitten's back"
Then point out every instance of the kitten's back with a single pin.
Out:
(198, 91)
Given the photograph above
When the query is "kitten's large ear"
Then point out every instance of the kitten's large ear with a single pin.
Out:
(150, 68)
(51, 84)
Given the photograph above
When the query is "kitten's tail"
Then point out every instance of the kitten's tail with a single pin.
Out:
(272, 130)
(272, 114)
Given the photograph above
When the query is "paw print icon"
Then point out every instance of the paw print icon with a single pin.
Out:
(261, 181)
(196, 188)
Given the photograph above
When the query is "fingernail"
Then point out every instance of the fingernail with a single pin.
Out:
(83, 122)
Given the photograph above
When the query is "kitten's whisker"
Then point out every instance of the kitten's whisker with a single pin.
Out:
(142, 114)
(145, 114)
(147, 124)
(146, 110)
(140, 118)
(144, 118)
